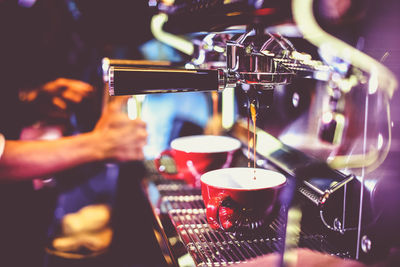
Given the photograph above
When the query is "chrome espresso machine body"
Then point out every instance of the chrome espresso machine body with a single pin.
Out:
(323, 119)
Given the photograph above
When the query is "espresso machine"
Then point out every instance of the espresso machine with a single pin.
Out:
(323, 119)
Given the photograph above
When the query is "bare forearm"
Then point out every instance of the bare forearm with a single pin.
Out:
(115, 138)
(24, 160)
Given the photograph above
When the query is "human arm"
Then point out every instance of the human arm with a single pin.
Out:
(31, 159)
(115, 138)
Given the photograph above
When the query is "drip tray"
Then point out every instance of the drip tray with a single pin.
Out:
(210, 247)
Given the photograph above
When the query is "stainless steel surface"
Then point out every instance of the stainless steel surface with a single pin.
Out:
(252, 58)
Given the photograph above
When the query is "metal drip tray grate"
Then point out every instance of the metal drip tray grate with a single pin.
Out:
(184, 202)
(177, 189)
(217, 248)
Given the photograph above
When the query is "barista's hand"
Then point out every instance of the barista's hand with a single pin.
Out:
(119, 137)
(67, 90)
(62, 92)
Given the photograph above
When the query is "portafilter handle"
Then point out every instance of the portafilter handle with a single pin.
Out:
(139, 80)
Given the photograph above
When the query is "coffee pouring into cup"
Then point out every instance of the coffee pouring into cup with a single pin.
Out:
(235, 200)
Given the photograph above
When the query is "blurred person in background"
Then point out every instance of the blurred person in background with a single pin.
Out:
(39, 44)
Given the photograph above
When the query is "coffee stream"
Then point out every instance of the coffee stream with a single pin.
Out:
(253, 117)
(248, 141)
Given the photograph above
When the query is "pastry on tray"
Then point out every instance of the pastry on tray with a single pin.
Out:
(85, 230)
(92, 241)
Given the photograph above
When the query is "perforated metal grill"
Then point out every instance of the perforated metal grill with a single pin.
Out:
(217, 248)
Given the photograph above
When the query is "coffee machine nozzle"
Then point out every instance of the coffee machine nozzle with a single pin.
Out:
(259, 60)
